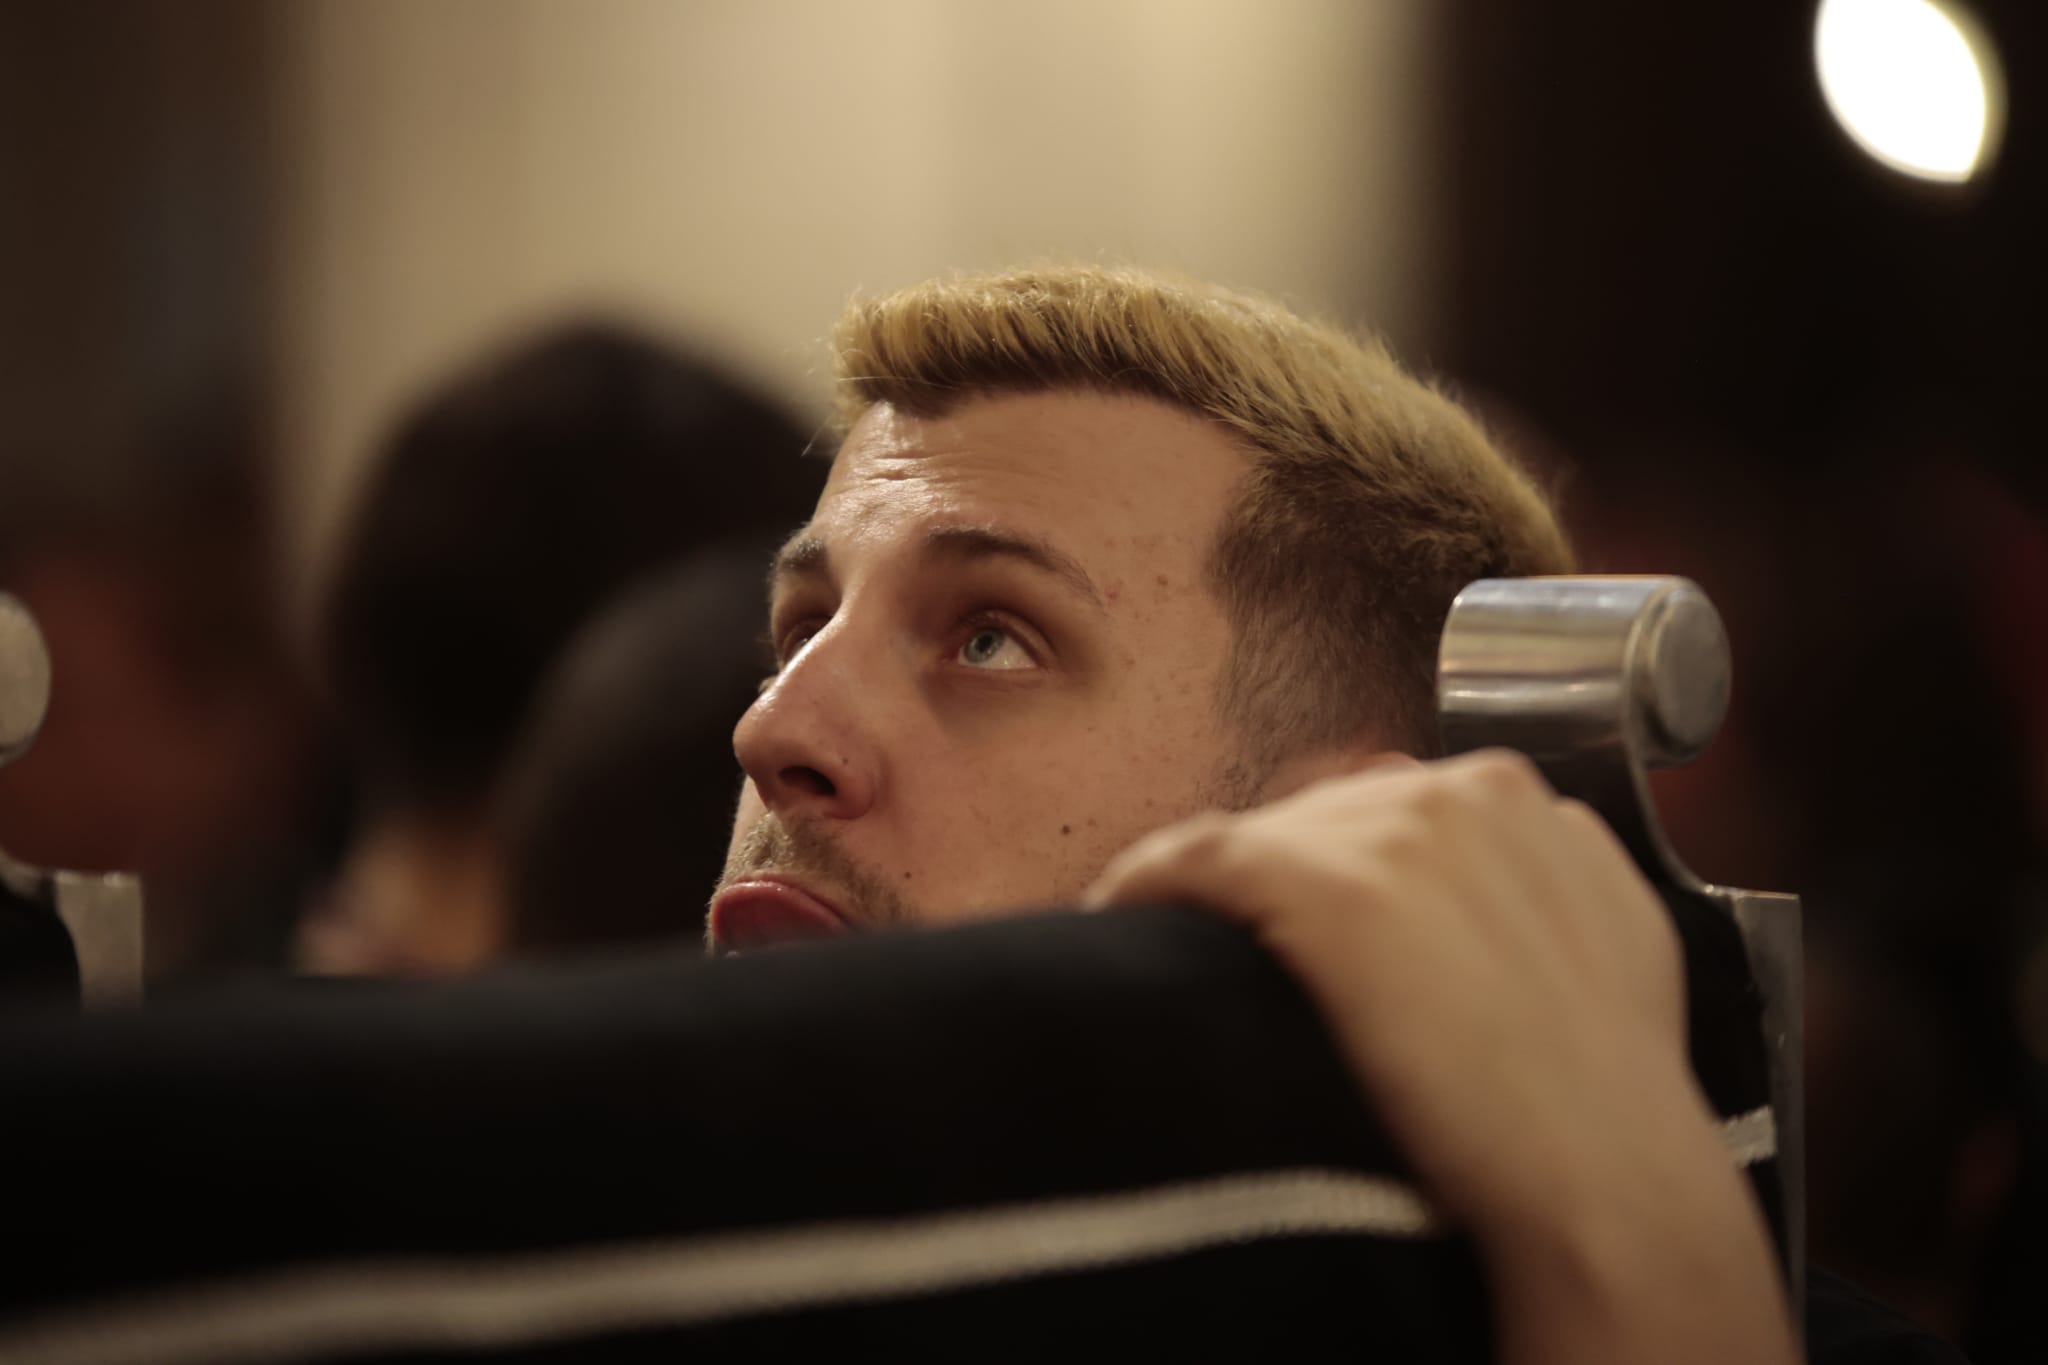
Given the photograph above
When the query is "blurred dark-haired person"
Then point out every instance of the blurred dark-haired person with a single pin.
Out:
(614, 809)
(508, 505)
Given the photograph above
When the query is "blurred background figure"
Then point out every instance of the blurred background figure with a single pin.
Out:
(139, 511)
(614, 819)
(509, 505)
(1758, 279)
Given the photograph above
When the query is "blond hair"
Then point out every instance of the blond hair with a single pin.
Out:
(1370, 501)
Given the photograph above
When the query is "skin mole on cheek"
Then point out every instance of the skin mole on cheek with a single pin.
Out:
(1162, 580)
(1066, 829)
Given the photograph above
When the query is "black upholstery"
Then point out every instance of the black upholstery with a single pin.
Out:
(216, 1146)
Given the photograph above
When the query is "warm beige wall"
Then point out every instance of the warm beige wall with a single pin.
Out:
(734, 168)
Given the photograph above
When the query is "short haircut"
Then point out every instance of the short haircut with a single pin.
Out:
(1370, 500)
(507, 505)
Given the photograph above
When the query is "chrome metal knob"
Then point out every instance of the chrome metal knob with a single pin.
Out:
(24, 679)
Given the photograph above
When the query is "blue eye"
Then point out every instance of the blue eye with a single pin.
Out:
(993, 647)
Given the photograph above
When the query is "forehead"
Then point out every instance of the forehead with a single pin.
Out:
(1112, 480)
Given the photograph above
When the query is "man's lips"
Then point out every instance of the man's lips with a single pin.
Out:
(765, 910)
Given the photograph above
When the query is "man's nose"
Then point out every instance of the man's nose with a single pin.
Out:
(802, 741)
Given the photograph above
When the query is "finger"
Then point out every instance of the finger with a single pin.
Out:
(1493, 813)
(1635, 922)
(1169, 864)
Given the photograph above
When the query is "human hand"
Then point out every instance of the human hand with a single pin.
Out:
(1509, 991)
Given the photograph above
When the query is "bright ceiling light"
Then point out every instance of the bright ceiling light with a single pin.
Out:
(1914, 82)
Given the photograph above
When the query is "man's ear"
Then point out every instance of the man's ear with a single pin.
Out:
(1305, 769)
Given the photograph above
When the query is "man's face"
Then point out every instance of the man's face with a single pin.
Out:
(999, 663)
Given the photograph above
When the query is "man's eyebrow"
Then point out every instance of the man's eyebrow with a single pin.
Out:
(803, 555)
(970, 543)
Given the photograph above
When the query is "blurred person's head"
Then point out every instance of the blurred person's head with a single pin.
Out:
(615, 808)
(1097, 551)
(506, 505)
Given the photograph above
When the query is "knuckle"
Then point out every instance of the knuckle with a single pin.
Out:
(1405, 844)
(1201, 842)
(1505, 775)
(1477, 784)
(1439, 800)
(1576, 812)
(1207, 831)
(1589, 826)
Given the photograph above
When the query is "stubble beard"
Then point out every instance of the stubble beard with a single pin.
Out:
(802, 847)
(805, 850)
